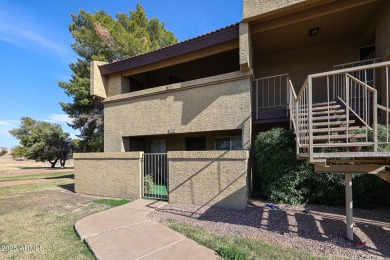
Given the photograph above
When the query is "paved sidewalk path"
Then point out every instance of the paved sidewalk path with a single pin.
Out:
(126, 233)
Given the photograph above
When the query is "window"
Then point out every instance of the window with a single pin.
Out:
(228, 143)
(195, 143)
(134, 144)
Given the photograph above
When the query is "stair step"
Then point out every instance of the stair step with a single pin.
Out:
(333, 123)
(330, 118)
(322, 108)
(373, 155)
(337, 145)
(325, 138)
(324, 104)
(335, 129)
(330, 112)
(337, 137)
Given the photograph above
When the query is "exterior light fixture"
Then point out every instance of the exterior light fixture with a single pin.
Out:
(314, 32)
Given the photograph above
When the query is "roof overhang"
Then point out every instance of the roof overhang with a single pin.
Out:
(202, 42)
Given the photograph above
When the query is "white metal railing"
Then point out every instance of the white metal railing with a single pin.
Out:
(359, 98)
(271, 92)
(292, 96)
(367, 76)
(357, 63)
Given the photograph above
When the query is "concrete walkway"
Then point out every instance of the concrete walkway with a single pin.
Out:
(126, 233)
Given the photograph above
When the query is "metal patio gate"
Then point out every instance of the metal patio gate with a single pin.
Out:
(155, 176)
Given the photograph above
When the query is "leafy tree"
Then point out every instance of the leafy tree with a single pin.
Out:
(99, 36)
(19, 151)
(42, 141)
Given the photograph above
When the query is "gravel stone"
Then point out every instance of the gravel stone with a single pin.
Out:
(321, 233)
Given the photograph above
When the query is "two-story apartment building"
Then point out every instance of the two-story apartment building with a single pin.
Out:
(179, 121)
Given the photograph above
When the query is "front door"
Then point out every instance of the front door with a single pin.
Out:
(158, 146)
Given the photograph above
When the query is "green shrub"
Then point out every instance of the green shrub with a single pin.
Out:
(284, 179)
(381, 131)
(148, 184)
(231, 253)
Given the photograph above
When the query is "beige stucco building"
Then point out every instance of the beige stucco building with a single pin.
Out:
(201, 102)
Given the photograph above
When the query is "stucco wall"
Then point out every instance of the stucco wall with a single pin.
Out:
(256, 8)
(114, 175)
(98, 83)
(382, 33)
(215, 103)
(214, 178)
(245, 47)
(299, 63)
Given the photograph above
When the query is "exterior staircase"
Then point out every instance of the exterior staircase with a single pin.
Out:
(340, 133)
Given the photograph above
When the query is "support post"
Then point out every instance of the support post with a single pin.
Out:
(349, 205)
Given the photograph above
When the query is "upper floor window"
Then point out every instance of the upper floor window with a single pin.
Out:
(228, 143)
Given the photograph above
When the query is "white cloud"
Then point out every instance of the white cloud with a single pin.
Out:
(6, 125)
(20, 29)
(59, 118)
(6, 139)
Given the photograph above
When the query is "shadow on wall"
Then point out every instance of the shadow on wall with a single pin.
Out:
(211, 182)
(197, 100)
(192, 102)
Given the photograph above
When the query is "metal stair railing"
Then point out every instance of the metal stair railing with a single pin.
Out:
(358, 98)
(353, 92)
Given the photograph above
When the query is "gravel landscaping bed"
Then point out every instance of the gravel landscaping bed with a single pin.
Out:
(322, 232)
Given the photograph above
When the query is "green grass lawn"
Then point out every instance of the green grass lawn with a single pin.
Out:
(43, 215)
(38, 176)
(237, 248)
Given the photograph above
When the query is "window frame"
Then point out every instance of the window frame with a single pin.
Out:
(230, 142)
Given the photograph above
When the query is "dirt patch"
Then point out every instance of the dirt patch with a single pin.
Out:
(320, 233)
(22, 182)
(10, 166)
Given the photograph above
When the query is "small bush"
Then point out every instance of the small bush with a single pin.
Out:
(148, 184)
(284, 179)
(3, 151)
(231, 253)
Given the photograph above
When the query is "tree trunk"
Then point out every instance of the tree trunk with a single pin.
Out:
(62, 163)
(53, 163)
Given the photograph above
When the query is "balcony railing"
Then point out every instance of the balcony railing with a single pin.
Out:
(271, 93)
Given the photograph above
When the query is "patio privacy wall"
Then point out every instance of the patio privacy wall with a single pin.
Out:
(213, 178)
(116, 175)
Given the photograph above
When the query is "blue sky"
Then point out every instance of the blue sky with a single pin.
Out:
(36, 53)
